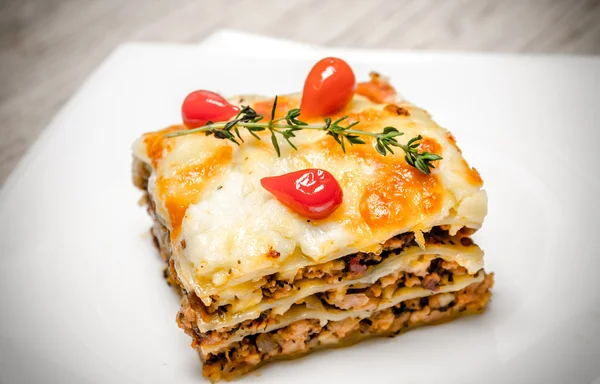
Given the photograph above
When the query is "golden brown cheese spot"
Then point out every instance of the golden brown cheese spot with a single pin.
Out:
(472, 175)
(183, 189)
(272, 254)
(157, 144)
(284, 104)
(401, 194)
(378, 90)
(396, 110)
(452, 141)
(432, 146)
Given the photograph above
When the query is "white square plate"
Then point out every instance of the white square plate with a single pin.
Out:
(81, 288)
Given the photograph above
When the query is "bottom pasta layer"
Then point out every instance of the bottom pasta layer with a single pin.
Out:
(304, 336)
(339, 316)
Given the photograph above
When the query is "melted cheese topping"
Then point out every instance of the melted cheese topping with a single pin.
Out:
(226, 228)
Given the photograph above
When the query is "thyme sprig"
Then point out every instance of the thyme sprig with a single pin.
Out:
(339, 129)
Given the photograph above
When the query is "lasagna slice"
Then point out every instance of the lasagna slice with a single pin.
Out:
(261, 282)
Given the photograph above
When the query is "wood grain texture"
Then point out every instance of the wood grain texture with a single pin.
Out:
(48, 47)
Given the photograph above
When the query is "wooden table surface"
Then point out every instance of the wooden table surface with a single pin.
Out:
(48, 47)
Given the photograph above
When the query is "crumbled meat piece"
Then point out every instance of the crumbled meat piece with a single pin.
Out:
(434, 316)
(265, 343)
(277, 289)
(441, 300)
(413, 304)
(432, 281)
(326, 338)
(341, 328)
(292, 338)
(331, 268)
(375, 290)
(388, 292)
(454, 267)
(383, 320)
(419, 316)
(412, 281)
(398, 242)
(355, 268)
(348, 301)
(391, 278)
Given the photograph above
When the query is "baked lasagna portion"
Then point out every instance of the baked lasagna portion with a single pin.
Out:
(260, 282)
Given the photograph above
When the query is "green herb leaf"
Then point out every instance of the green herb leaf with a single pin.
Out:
(380, 148)
(249, 119)
(275, 144)
(274, 108)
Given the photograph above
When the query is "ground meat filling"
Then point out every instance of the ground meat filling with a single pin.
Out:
(345, 268)
(438, 274)
(302, 336)
(354, 297)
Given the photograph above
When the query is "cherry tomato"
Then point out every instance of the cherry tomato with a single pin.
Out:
(313, 193)
(329, 87)
(201, 106)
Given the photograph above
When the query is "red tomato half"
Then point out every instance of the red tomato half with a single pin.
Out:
(313, 193)
(329, 87)
(201, 106)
